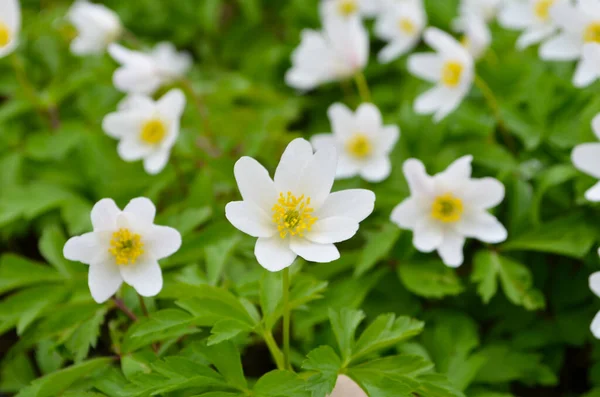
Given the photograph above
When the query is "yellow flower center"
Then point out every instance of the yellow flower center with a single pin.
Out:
(347, 7)
(126, 247)
(407, 26)
(359, 145)
(451, 73)
(542, 9)
(4, 35)
(592, 33)
(293, 215)
(153, 131)
(447, 208)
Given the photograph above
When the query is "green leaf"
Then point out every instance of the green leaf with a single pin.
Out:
(226, 358)
(86, 335)
(326, 363)
(17, 272)
(51, 247)
(270, 296)
(378, 247)
(217, 255)
(160, 325)
(429, 279)
(344, 324)
(16, 373)
(280, 384)
(227, 329)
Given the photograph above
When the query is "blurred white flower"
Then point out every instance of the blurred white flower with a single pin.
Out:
(446, 208)
(296, 214)
(348, 8)
(594, 282)
(144, 73)
(477, 36)
(97, 25)
(586, 158)
(147, 129)
(346, 387)
(401, 26)
(533, 17)
(588, 68)
(579, 24)
(124, 246)
(450, 68)
(10, 25)
(484, 9)
(338, 52)
(363, 143)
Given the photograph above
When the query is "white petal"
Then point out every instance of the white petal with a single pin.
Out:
(595, 326)
(10, 14)
(313, 252)
(388, 136)
(161, 241)
(348, 166)
(172, 103)
(427, 235)
(593, 193)
(594, 283)
(376, 170)
(451, 249)
(443, 42)
(432, 100)
(332, 230)
(120, 124)
(104, 280)
(254, 183)
(274, 254)
(142, 104)
(145, 276)
(483, 193)
(131, 148)
(396, 49)
(341, 119)
(516, 15)
(534, 35)
(321, 141)
(408, 213)
(143, 209)
(368, 118)
(482, 226)
(418, 181)
(295, 157)
(588, 68)
(352, 203)
(453, 100)
(596, 125)
(586, 158)
(459, 170)
(104, 215)
(318, 176)
(247, 217)
(86, 248)
(156, 161)
(426, 66)
(563, 47)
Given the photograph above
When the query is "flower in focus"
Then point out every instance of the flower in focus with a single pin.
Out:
(579, 24)
(346, 387)
(124, 246)
(533, 17)
(594, 282)
(147, 129)
(98, 26)
(401, 26)
(363, 143)
(143, 73)
(348, 8)
(446, 208)
(296, 214)
(588, 68)
(586, 158)
(450, 68)
(338, 52)
(10, 25)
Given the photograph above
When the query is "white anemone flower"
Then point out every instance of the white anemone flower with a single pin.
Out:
(346, 387)
(594, 282)
(579, 24)
(401, 26)
(588, 68)
(338, 52)
(10, 25)
(143, 73)
(363, 143)
(586, 158)
(147, 129)
(533, 17)
(450, 68)
(348, 8)
(124, 246)
(477, 36)
(444, 209)
(484, 9)
(296, 214)
(97, 25)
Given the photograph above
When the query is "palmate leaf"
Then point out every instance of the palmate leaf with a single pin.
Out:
(327, 364)
(280, 384)
(429, 279)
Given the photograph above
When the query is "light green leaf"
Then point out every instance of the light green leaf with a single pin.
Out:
(227, 329)
(17, 272)
(226, 358)
(326, 363)
(429, 279)
(344, 324)
(379, 245)
(280, 384)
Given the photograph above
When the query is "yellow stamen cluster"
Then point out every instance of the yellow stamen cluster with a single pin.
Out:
(591, 33)
(407, 26)
(126, 247)
(5, 35)
(451, 73)
(153, 131)
(447, 208)
(542, 9)
(293, 215)
(347, 7)
(359, 145)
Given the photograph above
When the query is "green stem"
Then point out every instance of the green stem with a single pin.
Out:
(121, 305)
(274, 349)
(363, 87)
(286, 317)
(143, 306)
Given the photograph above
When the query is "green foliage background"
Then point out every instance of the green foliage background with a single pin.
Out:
(512, 321)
